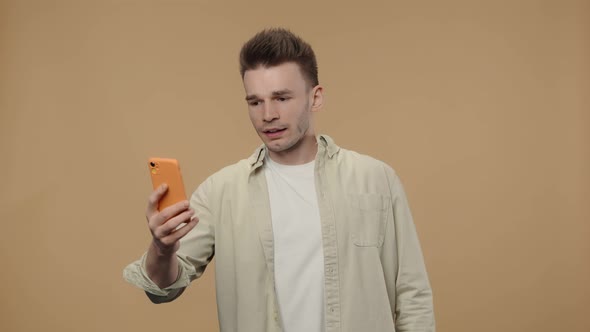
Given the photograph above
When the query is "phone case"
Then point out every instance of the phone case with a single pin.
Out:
(163, 170)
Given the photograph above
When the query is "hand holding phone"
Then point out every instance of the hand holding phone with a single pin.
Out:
(167, 226)
(168, 212)
(167, 171)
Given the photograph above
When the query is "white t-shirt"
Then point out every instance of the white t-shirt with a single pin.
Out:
(298, 251)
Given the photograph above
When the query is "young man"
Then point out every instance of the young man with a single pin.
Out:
(307, 236)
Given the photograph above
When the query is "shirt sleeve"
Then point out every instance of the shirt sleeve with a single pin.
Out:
(135, 273)
(412, 292)
(195, 252)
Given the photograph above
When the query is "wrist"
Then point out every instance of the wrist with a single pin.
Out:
(160, 252)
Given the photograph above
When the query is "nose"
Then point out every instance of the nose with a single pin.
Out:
(270, 113)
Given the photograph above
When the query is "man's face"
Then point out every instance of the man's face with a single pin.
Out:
(280, 103)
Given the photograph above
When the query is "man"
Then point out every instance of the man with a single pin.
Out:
(307, 236)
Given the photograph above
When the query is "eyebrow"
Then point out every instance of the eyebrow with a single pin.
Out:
(274, 94)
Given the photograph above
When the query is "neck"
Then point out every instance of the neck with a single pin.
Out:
(301, 153)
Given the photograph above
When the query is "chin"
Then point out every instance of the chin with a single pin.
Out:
(276, 148)
(283, 147)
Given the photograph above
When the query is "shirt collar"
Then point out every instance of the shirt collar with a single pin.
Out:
(325, 143)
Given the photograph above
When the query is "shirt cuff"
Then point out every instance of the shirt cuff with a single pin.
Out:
(136, 274)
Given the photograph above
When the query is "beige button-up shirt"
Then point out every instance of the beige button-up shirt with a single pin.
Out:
(375, 278)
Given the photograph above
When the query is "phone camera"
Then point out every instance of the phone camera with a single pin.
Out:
(153, 164)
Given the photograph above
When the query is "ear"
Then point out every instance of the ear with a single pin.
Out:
(317, 98)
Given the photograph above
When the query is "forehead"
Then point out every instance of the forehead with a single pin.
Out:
(264, 80)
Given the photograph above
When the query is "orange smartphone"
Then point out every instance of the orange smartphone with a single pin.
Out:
(163, 170)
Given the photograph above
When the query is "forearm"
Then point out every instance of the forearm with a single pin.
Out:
(161, 268)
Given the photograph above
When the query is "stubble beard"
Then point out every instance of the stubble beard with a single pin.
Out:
(302, 129)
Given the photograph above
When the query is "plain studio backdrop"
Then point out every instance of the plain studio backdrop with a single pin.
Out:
(482, 107)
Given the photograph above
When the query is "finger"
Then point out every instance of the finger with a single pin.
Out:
(168, 213)
(154, 200)
(170, 225)
(180, 233)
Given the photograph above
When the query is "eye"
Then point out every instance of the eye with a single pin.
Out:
(254, 103)
(283, 98)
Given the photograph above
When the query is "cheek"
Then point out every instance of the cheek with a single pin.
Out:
(303, 114)
(252, 115)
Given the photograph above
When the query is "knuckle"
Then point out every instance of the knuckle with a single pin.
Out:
(167, 229)
(153, 221)
(157, 235)
(164, 215)
(167, 242)
(190, 226)
(184, 217)
(180, 207)
(151, 226)
(161, 231)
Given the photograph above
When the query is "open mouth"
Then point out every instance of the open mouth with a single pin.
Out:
(274, 132)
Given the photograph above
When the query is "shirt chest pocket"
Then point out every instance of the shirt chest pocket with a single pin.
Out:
(368, 214)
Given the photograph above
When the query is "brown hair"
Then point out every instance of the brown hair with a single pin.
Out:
(273, 47)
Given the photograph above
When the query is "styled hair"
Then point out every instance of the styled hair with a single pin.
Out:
(275, 46)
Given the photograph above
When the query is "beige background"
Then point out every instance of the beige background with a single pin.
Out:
(482, 107)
